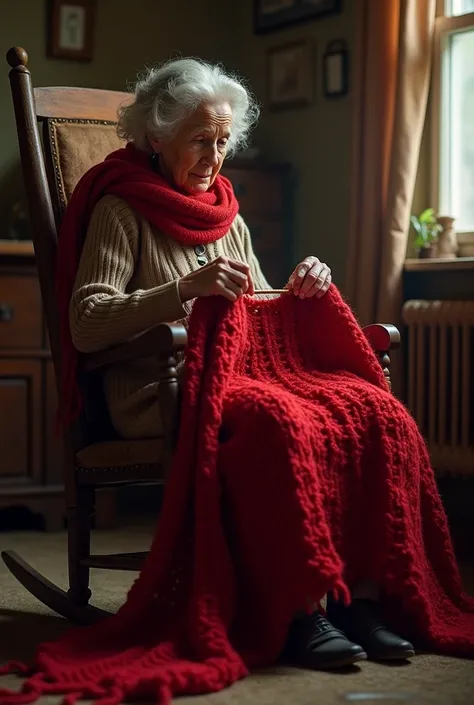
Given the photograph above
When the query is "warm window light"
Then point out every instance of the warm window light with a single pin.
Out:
(455, 8)
(453, 111)
(457, 186)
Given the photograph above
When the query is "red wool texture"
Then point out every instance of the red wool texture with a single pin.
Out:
(296, 473)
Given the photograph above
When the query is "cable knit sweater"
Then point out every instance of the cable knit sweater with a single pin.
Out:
(127, 282)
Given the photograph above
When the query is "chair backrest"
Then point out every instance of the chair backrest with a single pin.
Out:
(79, 130)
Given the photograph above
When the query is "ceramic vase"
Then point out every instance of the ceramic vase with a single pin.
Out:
(447, 242)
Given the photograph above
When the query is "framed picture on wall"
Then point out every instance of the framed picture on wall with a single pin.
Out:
(336, 69)
(71, 29)
(290, 75)
(276, 14)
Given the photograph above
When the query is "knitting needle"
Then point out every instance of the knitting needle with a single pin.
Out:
(272, 291)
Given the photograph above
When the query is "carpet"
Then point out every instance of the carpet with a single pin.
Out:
(24, 622)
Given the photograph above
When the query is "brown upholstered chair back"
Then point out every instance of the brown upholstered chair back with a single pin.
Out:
(74, 147)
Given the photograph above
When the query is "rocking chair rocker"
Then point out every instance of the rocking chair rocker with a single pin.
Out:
(79, 131)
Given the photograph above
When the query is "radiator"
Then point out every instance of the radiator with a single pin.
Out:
(440, 379)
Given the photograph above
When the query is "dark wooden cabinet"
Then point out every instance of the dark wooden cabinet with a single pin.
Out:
(30, 465)
(20, 310)
(264, 195)
(20, 413)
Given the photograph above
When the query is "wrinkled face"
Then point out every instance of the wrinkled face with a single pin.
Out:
(191, 160)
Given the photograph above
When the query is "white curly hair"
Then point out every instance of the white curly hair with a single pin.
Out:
(166, 94)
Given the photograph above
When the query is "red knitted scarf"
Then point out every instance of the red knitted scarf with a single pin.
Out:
(191, 220)
(296, 473)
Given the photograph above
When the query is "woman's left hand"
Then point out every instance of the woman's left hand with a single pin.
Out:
(310, 278)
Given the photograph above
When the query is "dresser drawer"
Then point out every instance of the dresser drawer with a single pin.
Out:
(21, 414)
(257, 191)
(21, 323)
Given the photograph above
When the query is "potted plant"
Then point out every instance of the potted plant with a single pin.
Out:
(426, 228)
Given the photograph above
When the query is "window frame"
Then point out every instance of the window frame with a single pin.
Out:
(444, 27)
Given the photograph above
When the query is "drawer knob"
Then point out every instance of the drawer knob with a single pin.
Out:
(6, 312)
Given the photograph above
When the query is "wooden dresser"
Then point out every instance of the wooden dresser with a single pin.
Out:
(30, 466)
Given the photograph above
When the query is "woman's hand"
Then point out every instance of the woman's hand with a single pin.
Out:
(222, 277)
(310, 278)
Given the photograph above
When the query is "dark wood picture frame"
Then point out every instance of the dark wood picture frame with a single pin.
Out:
(71, 29)
(270, 15)
(303, 93)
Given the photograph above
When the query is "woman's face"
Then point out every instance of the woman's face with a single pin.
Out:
(191, 160)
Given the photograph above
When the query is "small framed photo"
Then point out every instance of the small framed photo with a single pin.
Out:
(336, 69)
(270, 15)
(71, 29)
(290, 75)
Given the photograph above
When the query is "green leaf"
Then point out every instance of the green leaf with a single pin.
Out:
(426, 227)
(427, 216)
(415, 222)
(419, 241)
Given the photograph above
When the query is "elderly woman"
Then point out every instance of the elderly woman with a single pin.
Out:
(157, 227)
(186, 118)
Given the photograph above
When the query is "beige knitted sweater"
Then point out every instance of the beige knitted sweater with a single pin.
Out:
(127, 282)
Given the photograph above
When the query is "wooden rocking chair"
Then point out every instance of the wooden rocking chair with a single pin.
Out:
(78, 126)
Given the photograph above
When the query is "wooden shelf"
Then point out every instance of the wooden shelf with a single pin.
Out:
(436, 265)
(17, 248)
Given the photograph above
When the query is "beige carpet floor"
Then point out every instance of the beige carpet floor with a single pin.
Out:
(24, 623)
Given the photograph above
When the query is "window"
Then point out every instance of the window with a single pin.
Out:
(453, 113)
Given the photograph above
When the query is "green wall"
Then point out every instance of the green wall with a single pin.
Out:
(316, 140)
(128, 35)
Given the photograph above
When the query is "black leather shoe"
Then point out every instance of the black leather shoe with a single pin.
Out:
(361, 623)
(314, 643)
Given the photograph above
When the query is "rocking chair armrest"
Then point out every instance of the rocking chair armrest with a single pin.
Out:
(382, 337)
(168, 338)
(163, 340)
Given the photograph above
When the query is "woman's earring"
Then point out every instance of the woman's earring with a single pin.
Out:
(154, 161)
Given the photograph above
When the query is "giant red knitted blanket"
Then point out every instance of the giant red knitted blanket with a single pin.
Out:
(296, 473)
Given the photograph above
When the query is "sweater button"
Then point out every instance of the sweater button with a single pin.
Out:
(199, 249)
(202, 261)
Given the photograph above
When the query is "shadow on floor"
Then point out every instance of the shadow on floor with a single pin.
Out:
(23, 631)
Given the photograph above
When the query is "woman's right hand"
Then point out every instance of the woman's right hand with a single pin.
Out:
(222, 277)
